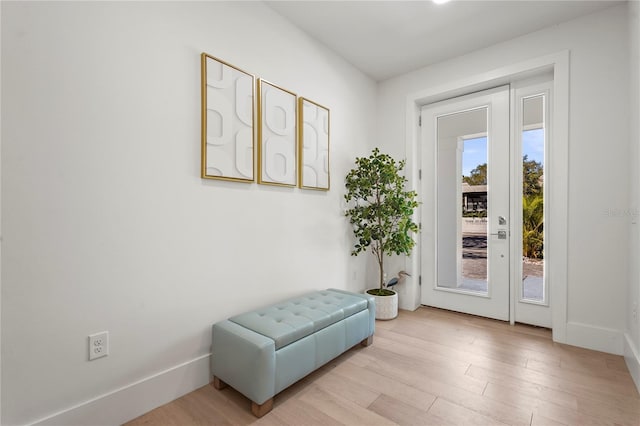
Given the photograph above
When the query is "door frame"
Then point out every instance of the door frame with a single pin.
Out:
(558, 182)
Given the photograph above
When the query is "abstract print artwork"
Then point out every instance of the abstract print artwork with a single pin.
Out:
(227, 121)
(314, 145)
(277, 135)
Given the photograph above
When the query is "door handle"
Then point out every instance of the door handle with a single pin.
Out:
(502, 235)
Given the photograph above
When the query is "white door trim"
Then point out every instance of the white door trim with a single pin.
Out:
(558, 163)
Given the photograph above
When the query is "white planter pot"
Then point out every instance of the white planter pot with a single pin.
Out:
(386, 306)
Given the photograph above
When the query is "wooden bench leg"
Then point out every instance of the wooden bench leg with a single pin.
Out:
(260, 410)
(219, 384)
(367, 341)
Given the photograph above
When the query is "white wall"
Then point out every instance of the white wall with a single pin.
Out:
(632, 329)
(598, 155)
(107, 224)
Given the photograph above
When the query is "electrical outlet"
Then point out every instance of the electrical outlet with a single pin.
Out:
(98, 345)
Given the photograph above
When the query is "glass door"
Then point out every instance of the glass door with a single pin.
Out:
(530, 209)
(465, 206)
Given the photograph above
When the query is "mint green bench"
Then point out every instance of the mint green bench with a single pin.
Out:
(262, 352)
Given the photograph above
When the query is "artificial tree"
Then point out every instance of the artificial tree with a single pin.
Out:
(380, 210)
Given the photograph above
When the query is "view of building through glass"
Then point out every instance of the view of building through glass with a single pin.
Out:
(474, 214)
(475, 206)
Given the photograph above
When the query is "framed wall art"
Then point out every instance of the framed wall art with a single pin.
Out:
(277, 135)
(227, 121)
(313, 168)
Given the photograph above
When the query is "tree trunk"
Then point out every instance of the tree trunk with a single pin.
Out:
(380, 257)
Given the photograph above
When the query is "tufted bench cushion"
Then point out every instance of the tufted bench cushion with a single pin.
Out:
(262, 352)
(292, 320)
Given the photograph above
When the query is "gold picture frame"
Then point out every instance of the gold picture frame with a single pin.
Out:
(277, 135)
(228, 117)
(314, 128)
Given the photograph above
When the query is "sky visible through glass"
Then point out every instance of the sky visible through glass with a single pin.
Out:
(475, 150)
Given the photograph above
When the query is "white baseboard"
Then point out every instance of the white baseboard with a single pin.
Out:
(632, 358)
(131, 401)
(596, 338)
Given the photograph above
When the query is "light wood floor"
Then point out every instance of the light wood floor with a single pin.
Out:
(434, 367)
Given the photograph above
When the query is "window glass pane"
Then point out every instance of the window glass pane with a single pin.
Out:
(474, 214)
(533, 135)
(462, 201)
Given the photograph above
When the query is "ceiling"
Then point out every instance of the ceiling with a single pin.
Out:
(388, 38)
